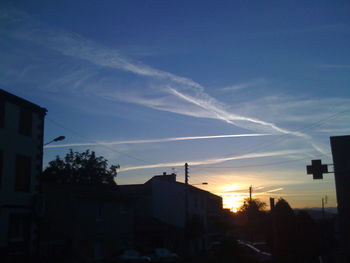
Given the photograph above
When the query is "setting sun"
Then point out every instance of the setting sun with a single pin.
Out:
(233, 201)
(233, 196)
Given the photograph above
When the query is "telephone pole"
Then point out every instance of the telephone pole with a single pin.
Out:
(186, 194)
(250, 193)
(186, 173)
(187, 241)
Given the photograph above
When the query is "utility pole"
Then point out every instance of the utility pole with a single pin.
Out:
(322, 207)
(324, 201)
(186, 194)
(272, 204)
(186, 173)
(250, 193)
(187, 244)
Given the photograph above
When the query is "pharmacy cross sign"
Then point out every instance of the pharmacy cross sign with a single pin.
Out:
(317, 169)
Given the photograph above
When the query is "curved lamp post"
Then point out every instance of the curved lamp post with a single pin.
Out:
(57, 139)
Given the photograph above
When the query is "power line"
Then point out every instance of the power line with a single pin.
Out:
(253, 149)
(255, 165)
(101, 144)
(278, 140)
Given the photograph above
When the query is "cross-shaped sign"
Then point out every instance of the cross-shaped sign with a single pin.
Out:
(317, 169)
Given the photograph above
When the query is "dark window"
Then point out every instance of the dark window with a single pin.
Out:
(1, 165)
(2, 113)
(25, 121)
(23, 173)
(19, 227)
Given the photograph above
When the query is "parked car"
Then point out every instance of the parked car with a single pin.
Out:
(255, 252)
(164, 255)
(132, 255)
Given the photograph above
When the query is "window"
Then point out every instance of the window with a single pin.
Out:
(1, 165)
(23, 173)
(2, 113)
(19, 227)
(25, 121)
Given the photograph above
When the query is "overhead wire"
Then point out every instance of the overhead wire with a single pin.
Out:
(278, 140)
(98, 143)
(252, 149)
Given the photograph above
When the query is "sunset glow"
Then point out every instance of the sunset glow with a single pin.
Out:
(233, 201)
(233, 196)
(159, 98)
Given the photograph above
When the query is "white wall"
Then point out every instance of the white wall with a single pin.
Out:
(169, 202)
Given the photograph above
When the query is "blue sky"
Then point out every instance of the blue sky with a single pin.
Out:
(246, 92)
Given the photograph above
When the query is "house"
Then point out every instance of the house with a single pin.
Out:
(84, 222)
(21, 145)
(173, 214)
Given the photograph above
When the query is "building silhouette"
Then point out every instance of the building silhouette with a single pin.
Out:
(21, 144)
(84, 222)
(341, 161)
(189, 213)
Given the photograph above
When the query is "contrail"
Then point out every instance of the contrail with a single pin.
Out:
(156, 140)
(275, 190)
(213, 161)
(73, 45)
(221, 114)
(21, 26)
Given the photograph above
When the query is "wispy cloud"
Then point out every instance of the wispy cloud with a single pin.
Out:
(190, 93)
(244, 85)
(211, 105)
(275, 190)
(74, 45)
(160, 90)
(171, 139)
(215, 160)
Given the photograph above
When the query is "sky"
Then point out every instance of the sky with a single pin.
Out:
(246, 92)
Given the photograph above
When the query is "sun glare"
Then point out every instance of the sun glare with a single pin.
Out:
(233, 197)
(233, 201)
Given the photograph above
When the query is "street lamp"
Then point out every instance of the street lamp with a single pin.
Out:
(39, 198)
(57, 139)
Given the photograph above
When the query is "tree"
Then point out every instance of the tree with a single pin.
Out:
(285, 226)
(82, 167)
(252, 205)
(252, 213)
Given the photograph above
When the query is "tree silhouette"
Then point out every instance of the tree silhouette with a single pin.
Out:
(253, 216)
(285, 237)
(252, 205)
(82, 167)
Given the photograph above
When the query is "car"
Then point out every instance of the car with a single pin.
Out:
(164, 255)
(132, 255)
(255, 252)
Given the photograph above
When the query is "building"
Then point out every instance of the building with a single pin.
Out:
(340, 146)
(85, 222)
(174, 215)
(21, 145)
(341, 163)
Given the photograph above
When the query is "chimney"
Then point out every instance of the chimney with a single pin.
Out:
(168, 177)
